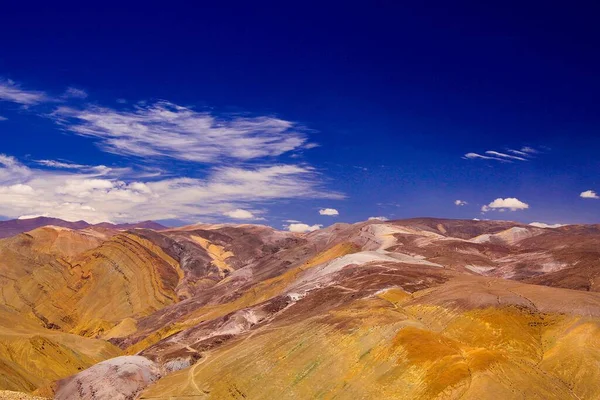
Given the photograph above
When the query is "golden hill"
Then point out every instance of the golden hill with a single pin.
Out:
(412, 309)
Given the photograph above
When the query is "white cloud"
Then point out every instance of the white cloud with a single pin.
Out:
(31, 216)
(589, 194)
(12, 92)
(17, 189)
(524, 154)
(529, 150)
(164, 129)
(227, 184)
(302, 228)
(74, 93)
(510, 203)
(544, 225)
(3, 118)
(107, 195)
(239, 214)
(329, 211)
(475, 155)
(518, 152)
(100, 169)
(460, 202)
(378, 218)
(11, 171)
(504, 155)
(61, 164)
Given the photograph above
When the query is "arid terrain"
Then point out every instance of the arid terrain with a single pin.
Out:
(409, 309)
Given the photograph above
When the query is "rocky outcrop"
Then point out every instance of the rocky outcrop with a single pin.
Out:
(119, 378)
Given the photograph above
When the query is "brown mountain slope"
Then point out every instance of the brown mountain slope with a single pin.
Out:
(466, 338)
(32, 356)
(421, 308)
(62, 278)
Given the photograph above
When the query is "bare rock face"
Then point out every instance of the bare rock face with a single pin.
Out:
(119, 378)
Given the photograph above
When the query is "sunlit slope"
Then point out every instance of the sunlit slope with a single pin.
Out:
(32, 356)
(470, 338)
(82, 283)
(421, 308)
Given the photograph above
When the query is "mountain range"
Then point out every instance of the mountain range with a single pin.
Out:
(16, 226)
(421, 308)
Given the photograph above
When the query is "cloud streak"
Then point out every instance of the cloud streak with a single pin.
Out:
(74, 93)
(509, 156)
(165, 129)
(14, 93)
(504, 155)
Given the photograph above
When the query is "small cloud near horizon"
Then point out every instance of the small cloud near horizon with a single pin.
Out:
(302, 228)
(509, 203)
(545, 225)
(332, 212)
(589, 194)
(240, 214)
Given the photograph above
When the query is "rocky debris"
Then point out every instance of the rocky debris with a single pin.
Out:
(120, 378)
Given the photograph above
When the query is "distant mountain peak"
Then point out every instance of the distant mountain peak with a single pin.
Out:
(15, 226)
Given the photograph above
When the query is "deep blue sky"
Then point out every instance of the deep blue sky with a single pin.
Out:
(395, 96)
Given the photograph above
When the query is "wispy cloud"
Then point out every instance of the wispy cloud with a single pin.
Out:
(12, 92)
(96, 169)
(507, 156)
(240, 156)
(75, 93)
(460, 203)
(476, 155)
(504, 155)
(529, 150)
(165, 129)
(107, 196)
(518, 152)
(3, 118)
(60, 164)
